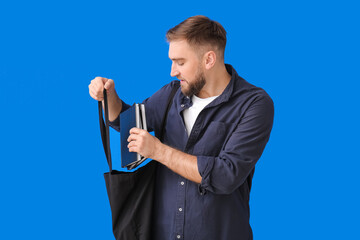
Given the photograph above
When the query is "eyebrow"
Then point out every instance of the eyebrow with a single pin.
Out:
(177, 59)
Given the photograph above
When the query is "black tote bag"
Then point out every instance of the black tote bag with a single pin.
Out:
(130, 194)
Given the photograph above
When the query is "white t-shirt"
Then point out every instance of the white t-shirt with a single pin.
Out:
(193, 112)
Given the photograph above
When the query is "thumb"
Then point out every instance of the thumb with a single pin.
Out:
(109, 85)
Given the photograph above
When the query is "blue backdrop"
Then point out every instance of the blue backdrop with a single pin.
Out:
(305, 54)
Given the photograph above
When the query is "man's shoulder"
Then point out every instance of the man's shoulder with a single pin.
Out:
(243, 87)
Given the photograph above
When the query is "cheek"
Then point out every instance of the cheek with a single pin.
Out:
(189, 73)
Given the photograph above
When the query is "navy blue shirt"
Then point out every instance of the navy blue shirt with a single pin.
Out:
(228, 138)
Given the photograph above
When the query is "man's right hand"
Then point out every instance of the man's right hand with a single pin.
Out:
(97, 85)
(96, 88)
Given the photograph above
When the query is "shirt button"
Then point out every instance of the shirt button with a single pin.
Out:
(182, 105)
(178, 236)
(180, 209)
(182, 183)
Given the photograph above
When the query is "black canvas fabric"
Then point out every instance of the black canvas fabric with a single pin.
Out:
(130, 194)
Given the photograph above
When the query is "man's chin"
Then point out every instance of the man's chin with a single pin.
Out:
(185, 90)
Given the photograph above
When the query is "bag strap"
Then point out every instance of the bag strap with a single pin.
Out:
(171, 96)
(104, 129)
(104, 126)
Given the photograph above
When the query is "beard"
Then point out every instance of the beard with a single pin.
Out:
(194, 87)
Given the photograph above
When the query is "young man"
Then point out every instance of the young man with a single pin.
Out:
(216, 131)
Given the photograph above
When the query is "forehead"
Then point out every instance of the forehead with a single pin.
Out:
(180, 49)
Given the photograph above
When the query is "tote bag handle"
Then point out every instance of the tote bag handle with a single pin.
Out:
(104, 129)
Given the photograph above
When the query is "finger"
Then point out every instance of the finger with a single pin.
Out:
(91, 92)
(98, 81)
(134, 144)
(94, 83)
(96, 87)
(132, 137)
(135, 130)
(102, 80)
(98, 78)
(131, 144)
(96, 95)
(133, 149)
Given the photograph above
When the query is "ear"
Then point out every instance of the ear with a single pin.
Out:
(210, 59)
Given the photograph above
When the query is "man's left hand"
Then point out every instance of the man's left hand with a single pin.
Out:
(144, 143)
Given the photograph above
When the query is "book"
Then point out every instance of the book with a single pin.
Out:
(132, 117)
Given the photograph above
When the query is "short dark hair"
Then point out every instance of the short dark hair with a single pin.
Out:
(199, 31)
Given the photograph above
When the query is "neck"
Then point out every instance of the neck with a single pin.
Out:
(217, 78)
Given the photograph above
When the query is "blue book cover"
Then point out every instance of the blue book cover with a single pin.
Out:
(132, 117)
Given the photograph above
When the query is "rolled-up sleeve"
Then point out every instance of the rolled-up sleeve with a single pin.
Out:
(116, 123)
(226, 172)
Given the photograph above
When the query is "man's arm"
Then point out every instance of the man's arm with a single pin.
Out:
(96, 88)
(227, 171)
(182, 163)
(149, 146)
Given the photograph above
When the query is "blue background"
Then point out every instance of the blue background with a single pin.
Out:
(305, 54)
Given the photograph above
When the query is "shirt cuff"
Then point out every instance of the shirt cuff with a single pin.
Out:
(205, 166)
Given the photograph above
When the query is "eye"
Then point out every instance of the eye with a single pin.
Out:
(180, 63)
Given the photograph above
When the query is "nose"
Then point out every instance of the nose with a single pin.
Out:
(174, 72)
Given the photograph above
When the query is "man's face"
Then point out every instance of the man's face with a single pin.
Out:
(186, 66)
